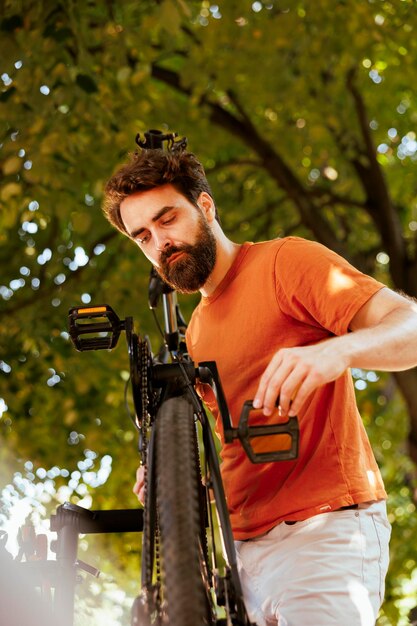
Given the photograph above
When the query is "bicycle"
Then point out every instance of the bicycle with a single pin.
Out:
(181, 581)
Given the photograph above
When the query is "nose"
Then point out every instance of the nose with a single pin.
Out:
(162, 241)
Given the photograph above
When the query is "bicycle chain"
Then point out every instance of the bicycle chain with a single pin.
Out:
(144, 358)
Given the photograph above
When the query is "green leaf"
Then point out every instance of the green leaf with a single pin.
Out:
(86, 83)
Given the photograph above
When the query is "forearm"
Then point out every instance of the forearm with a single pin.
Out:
(391, 345)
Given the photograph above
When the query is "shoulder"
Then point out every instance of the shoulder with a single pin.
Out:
(287, 254)
(299, 252)
(287, 245)
(292, 252)
(264, 249)
(299, 245)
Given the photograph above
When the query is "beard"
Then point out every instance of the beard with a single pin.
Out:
(190, 271)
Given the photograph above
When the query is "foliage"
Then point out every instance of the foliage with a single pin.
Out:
(304, 119)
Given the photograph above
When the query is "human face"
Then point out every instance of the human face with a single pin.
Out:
(173, 234)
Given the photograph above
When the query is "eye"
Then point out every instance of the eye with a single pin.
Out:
(168, 221)
(143, 239)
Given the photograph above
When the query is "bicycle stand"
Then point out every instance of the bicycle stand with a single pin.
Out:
(69, 521)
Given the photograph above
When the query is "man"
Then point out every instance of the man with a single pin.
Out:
(283, 319)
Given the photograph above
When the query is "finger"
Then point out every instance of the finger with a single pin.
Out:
(137, 487)
(274, 387)
(290, 389)
(139, 491)
(307, 387)
(140, 477)
(265, 379)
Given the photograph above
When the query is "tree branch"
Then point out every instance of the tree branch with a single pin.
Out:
(378, 201)
(265, 210)
(243, 128)
(327, 197)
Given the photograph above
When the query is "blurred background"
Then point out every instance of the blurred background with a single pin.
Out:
(305, 118)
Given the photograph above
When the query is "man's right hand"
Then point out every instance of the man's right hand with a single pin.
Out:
(139, 486)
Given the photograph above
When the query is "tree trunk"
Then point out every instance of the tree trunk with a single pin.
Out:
(407, 382)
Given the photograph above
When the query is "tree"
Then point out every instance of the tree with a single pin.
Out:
(304, 120)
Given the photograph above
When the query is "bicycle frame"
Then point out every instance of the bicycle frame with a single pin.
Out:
(180, 377)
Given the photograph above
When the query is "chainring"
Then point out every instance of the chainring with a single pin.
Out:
(140, 364)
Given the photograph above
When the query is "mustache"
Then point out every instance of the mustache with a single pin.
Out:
(168, 252)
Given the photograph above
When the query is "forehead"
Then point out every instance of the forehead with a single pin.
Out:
(140, 208)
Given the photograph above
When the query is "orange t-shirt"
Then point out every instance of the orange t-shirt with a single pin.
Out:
(284, 293)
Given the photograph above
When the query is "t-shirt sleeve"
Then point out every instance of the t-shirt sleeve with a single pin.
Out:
(316, 285)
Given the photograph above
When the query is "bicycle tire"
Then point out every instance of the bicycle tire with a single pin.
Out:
(186, 598)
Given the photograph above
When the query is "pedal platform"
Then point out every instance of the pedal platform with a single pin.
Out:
(95, 327)
(264, 443)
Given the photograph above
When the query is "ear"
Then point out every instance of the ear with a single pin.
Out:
(207, 206)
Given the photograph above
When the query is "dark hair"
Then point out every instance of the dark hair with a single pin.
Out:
(153, 168)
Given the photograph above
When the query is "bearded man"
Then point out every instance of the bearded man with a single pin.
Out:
(283, 319)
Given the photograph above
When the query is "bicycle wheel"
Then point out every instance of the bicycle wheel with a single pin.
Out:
(186, 597)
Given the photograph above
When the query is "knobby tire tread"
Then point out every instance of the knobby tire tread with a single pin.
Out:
(184, 590)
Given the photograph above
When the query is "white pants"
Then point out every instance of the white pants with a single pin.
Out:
(327, 570)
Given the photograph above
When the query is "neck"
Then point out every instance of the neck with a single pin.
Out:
(226, 252)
